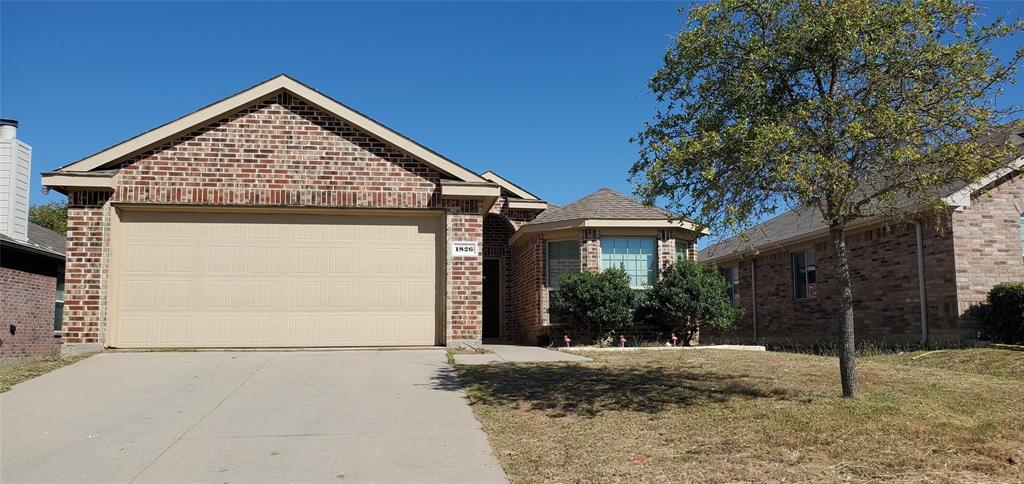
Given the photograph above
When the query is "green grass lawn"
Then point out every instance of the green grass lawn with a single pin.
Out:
(654, 416)
(12, 373)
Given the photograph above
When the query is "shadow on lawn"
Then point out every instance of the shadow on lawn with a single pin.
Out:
(587, 391)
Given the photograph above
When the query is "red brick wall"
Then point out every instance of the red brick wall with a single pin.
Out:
(883, 263)
(987, 242)
(499, 226)
(279, 152)
(666, 247)
(465, 274)
(86, 267)
(28, 304)
(528, 306)
(590, 250)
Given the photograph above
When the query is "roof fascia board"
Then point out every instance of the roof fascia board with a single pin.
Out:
(74, 180)
(528, 204)
(458, 190)
(507, 185)
(605, 223)
(962, 197)
(238, 101)
(177, 127)
(659, 223)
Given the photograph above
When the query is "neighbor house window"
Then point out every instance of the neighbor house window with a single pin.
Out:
(634, 254)
(683, 249)
(804, 274)
(58, 305)
(563, 258)
(732, 274)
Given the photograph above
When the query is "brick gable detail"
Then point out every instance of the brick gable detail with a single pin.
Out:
(987, 241)
(280, 152)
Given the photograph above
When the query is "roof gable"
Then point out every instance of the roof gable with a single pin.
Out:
(306, 147)
(508, 186)
(249, 97)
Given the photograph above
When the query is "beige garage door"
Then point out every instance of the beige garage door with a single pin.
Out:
(273, 280)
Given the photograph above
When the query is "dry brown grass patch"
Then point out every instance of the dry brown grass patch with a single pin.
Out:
(14, 372)
(739, 416)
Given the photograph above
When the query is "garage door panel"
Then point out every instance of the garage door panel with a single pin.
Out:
(178, 294)
(274, 280)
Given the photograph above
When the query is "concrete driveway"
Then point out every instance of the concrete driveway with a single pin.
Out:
(395, 416)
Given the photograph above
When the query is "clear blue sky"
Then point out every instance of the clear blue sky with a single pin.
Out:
(545, 94)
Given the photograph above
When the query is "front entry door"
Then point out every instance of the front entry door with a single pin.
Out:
(492, 306)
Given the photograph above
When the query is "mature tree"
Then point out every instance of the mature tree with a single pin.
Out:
(854, 108)
(690, 296)
(52, 215)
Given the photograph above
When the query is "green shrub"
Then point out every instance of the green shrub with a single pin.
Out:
(1004, 314)
(596, 302)
(689, 296)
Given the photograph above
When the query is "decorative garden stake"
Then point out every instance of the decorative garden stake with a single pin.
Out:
(568, 341)
(622, 341)
(674, 339)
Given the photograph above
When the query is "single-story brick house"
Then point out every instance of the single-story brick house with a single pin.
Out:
(280, 217)
(31, 261)
(911, 282)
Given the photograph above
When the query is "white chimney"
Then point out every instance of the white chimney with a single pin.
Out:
(15, 170)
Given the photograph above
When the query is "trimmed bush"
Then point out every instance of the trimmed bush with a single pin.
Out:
(1004, 315)
(596, 302)
(689, 295)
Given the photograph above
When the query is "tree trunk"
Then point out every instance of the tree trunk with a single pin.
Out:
(847, 346)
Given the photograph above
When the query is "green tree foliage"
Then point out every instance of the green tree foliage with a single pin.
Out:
(690, 296)
(1004, 313)
(597, 302)
(52, 215)
(852, 108)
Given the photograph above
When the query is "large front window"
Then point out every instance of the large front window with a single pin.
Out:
(634, 254)
(563, 258)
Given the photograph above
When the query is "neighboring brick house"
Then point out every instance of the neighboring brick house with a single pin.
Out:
(912, 283)
(31, 261)
(279, 217)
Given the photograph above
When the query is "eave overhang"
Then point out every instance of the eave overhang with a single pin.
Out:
(608, 223)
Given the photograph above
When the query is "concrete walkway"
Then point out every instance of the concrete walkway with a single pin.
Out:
(377, 416)
(501, 353)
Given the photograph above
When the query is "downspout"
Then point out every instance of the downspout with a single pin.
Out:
(923, 293)
(753, 295)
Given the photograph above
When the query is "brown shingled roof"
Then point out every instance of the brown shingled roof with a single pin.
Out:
(40, 239)
(803, 221)
(604, 204)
